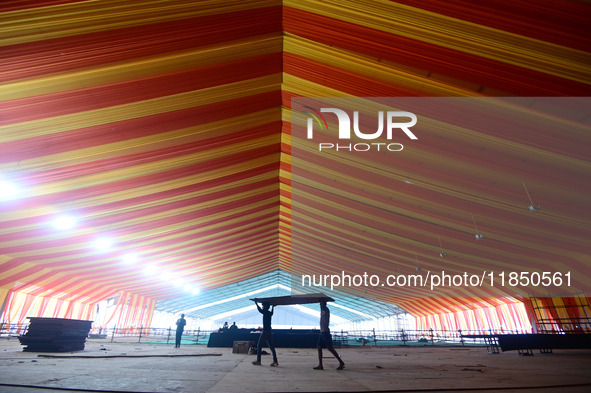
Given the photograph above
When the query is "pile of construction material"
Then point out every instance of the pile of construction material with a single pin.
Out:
(55, 335)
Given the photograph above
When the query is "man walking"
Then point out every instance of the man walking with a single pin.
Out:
(266, 334)
(325, 338)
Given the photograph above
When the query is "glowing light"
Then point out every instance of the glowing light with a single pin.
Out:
(64, 222)
(191, 289)
(8, 190)
(150, 270)
(129, 259)
(103, 244)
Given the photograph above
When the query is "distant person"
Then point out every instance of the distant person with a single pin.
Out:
(266, 334)
(180, 327)
(225, 327)
(325, 338)
(233, 326)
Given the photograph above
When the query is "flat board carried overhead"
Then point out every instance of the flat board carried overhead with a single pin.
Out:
(294, 299)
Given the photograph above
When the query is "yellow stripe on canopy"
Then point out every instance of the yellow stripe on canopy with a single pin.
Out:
(138, 68)
(452, 33)
(52, 125)
(42, 23)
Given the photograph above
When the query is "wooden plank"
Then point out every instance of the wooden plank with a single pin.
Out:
(294, 299)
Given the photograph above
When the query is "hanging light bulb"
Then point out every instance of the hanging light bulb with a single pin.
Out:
(532, 207)
(418, 268)
(442, 253)
(478, 236)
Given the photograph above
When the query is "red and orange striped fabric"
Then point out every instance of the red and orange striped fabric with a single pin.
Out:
(165, 126)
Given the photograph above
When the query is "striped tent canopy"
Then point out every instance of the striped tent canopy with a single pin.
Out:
(163, 132)
(238, 296)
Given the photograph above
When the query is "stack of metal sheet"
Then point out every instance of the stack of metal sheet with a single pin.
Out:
(55, 335)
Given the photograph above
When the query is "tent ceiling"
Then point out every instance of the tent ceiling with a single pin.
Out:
(169, 133)
(237, 296)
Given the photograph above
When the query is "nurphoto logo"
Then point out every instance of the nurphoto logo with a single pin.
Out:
(395, 121)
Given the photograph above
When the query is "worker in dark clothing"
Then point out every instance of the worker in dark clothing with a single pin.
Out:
(266, 334)
(180, 327)
(325, 338)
